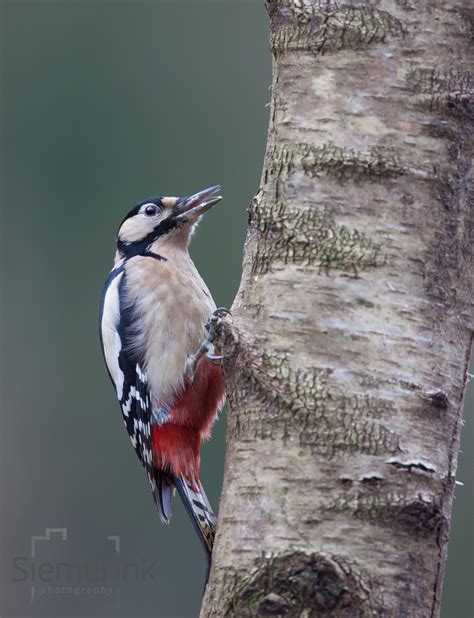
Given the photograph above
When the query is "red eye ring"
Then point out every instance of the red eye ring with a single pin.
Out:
(150, 210)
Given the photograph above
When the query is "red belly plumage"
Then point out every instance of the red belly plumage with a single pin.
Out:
(176, 444)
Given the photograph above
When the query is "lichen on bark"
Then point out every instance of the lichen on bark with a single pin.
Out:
(306, 235)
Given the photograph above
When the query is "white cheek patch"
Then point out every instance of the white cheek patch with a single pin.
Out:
(136, 228)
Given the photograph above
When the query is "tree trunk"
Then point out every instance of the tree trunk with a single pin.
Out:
(347, 359)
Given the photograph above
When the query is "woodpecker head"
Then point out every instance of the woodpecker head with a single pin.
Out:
(163, 220)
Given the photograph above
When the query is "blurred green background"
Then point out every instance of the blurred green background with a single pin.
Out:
(104, 103)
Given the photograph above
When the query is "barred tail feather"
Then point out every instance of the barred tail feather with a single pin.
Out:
(200, 512)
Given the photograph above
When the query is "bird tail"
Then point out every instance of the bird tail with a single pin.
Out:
(200, 512)
(195, 502)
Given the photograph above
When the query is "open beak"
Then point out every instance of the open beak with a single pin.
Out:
(190, 208)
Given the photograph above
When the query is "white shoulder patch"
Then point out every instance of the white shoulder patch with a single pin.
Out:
(110, 337)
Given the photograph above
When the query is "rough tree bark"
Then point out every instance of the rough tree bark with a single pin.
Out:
(347, 359)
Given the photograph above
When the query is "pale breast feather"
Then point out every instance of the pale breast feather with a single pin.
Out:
(169, 306)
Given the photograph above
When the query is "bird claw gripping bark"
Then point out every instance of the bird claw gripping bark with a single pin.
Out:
(212, 329)
(207, 347)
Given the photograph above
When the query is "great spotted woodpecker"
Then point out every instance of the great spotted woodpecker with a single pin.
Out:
(157, 322)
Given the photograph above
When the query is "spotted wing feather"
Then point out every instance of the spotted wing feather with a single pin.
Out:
(137, 414)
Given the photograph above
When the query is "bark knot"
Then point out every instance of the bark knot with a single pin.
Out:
(299, 584)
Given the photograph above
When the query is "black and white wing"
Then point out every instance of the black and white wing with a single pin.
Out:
(127, 373)
(136, 411)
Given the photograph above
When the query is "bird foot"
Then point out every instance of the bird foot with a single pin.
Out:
(208, 345)
(212, 327)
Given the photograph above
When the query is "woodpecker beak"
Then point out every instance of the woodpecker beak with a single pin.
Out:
(190, 208)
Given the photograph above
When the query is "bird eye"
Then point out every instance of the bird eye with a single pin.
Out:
(151, 210)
